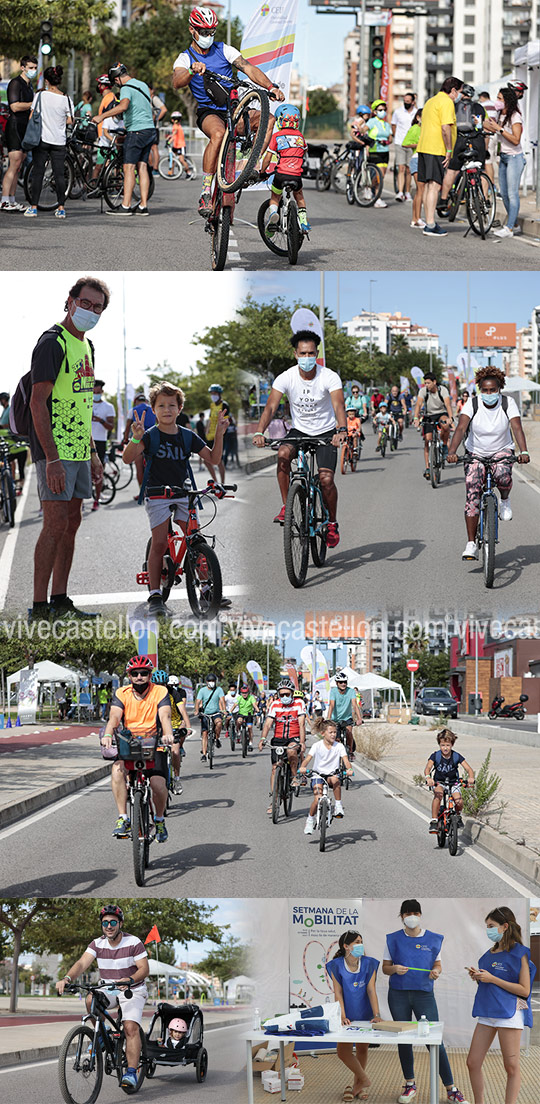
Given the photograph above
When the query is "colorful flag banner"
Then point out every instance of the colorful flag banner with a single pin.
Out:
(417, 375)
(146, 635)
(255, 671)
(268, 41)
(385, 77)
(292, 673)
(404, 383)
(153, 936)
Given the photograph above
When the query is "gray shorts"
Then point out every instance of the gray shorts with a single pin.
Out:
(403, 155)
(158, 510)
(78, 481)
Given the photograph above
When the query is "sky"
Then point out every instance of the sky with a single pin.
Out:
(230, 910)
(435, 299)
(319, 40)
(163, 312)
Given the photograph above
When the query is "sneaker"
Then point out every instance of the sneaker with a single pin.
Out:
(432, 826)
(280, 518)
(505, 510)
(419, 225)
(408, 196)
(156, 605)
(141, 210)
(129, 1080)
(39, 612)
(442, 209)
(427, 474)
(504, 232)
(310, 824)
(408, 1092)
(456, 1095)
(60, 213)
(517, 229)
(124, 212)
(380, 203)
(271, 222)
(339, 811)
(203, 758)
(218, 743)
(122, 827)
(205, 204)
(31, 212)
(250, 747)
(400, 197)
(332, 534)
(6, 206)
(177, 786)
(435, 231)
(470, 551)
(162, 834)
(95, 505)
(21, 207)
(66, 608)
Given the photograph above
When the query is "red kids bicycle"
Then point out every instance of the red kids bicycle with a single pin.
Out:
(190, 553)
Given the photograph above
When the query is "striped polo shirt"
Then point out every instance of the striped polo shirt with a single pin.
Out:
(116, 963)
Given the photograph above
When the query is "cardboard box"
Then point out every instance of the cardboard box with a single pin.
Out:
(272, 1063)
(272, 1086)
(295, 1081)
(395, 1026)
(270, 1075)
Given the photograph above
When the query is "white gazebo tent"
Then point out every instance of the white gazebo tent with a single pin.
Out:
(516, 385)
(189, 978)
(371, 682)
(239, 988)
(47, 672)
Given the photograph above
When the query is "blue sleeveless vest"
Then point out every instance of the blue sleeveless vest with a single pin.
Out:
(355, 997)
(217, 62)
(496, 1003)
(422, 953)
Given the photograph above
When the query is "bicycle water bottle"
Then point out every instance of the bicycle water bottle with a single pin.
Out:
(423, 1026)
(256, 1019)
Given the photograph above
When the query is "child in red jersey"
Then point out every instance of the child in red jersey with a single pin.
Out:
(286, 148)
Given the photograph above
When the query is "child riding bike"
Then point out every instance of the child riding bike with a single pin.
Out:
(286, 148)
(177, 140)
(382, 419)
(444, 763)
(328, 755)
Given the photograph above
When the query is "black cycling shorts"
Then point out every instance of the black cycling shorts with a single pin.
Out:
(277, 741)
(161, 767)
(204, 111)
(284, 178)
(326, 455)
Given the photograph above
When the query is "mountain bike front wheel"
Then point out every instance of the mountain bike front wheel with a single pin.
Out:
(318, 520)
(169, 169)
(139, 832)
(80, 1071)
(220, 231)
(453, 835)
(323, 822)
(203, 581)
(254, 100)
(488, 540)
(434, 472)
(296, 534)
(278, 242)
(276, 794)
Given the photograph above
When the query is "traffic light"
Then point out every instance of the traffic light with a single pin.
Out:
(377, 52)
(46, 37)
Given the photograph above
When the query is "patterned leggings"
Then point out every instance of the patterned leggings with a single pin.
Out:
(475, 479)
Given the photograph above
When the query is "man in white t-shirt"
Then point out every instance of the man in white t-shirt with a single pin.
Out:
(317, 406)
(103, 415)
(402, 120)
(326, 756)
(490, 423)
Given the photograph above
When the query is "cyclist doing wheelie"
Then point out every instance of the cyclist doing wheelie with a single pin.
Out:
(247, 706)
(121, 960)
(288, 715)
(286, 151)
(179, 721)
(145, 710)
(327, 756)
(443, 766)
(434, 402)
(317, 405)
(210, 702)
(189, 70)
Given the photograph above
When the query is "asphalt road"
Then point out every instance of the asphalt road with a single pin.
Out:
(401, 544)
(222, 843)
(35, 1082)
(110, 550)
(173, 238)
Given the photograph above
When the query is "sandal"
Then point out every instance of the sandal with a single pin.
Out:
(348, 1095)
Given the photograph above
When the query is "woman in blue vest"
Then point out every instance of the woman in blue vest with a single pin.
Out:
(412, 962)
(353, 975)
(503, 1001)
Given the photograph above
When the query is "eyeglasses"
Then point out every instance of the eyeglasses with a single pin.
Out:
(87, 304)
(109, 923)
(140, 673)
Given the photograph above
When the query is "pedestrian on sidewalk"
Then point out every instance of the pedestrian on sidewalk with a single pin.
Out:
(140, 407)
(353, 974)
(437, 139)
(412, 962)
(402, 120)
(56, 112)
(135, 105)
(410, 141)
(61, 401)
(504, 976)
(20, 95)
(509, 128)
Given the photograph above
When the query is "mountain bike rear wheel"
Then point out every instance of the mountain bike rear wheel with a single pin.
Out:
(455, 197)
(475, 211)
(296, 534)
(488, 541)
(294, 234)
(139, 832)
(254, 100)
(80, 1072)
(322, 180)
(368, 184)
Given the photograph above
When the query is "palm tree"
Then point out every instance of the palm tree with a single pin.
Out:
(416, 644)
(399, 344)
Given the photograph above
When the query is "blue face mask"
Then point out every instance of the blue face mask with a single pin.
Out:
(307, 363)
(358, 950)
(490, 400)
(493, 934)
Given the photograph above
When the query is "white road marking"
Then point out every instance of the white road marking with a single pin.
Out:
(529, 482)
(473, 854)
(10, 543)
(138, 596)
(51, 809)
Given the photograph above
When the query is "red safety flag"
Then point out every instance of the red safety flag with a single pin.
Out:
(153, 936)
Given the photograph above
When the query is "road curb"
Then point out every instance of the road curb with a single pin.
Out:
(497, 732)
(521, 859)
(34, 1054)
(252, 466)
(10, 813)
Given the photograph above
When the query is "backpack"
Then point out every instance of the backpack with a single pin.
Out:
(504, 404)
(153, 446)
(464, 116)
(437, 759)
(428, 393)
(20, 417)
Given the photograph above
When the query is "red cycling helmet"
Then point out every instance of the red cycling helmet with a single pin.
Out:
(203, 19)
(139, 663)
(112, 910)
(104, 80)
(518, 86)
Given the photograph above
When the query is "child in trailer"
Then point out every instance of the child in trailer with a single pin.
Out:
(353, 974)
(176, 1035)
(502, 1004)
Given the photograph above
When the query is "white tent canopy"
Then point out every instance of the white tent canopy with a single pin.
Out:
(519, 383)
(233, 985)
(370, 682)
(47, 671)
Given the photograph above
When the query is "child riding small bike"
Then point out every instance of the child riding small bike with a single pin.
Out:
(286, 148)
(443, 766)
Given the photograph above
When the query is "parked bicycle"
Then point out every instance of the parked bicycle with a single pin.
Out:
(288, 236)
(190, 553)
(8, 496)
(487, 533)
(347, 174)
(448, 820)
(306, 515)
(107, 492)
(474, 188)
(94, 1047)
(170, 166)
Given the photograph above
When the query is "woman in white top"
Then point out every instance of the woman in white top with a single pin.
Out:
(509, 128)
(492, 417)
(56, 112)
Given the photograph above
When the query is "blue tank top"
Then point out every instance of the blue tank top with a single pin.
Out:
(215, 60)
(354, 986)
(408, 951)
(496, 1003)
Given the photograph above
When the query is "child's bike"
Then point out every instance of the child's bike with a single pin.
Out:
(287, 239)
(325, 811)
(448, 818)
(190, 553)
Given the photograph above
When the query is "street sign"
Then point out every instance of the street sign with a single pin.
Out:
(490, 335)
(412, 664)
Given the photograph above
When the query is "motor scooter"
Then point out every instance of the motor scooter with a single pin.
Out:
(516, 711)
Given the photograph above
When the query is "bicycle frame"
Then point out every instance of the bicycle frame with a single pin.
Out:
(488, 492)
(305, 472)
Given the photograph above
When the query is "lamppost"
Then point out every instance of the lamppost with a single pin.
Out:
(370, 318)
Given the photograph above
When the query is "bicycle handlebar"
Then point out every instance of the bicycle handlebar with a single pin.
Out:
(217, 489)
(236, 83)
(75, 987)
(303, 442)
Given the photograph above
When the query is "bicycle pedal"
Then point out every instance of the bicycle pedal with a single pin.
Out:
(142, 578)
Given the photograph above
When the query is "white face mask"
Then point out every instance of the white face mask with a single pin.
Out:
(205, 41)
(84, 319)
(31, 73)
(380, 112)
(411, 921)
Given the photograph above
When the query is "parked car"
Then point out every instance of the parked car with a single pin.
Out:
(436, 701)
